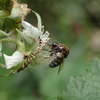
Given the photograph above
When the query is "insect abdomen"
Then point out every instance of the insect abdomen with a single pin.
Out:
(55, 62)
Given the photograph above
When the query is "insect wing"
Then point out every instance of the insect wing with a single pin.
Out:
(60, 67)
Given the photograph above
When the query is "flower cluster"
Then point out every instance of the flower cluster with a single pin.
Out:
(19, 9)
(28, 39)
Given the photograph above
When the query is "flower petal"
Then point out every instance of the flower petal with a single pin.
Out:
(14, 60)
(45, 37)
(30, 30)
(19, 10)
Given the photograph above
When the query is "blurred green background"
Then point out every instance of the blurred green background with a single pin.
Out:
(75, 23)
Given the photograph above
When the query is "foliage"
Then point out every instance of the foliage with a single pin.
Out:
(84, 87)
(71, 22)
(6, 4)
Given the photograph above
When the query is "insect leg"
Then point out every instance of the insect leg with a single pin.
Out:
(51, 54)
(45, 49)
(48, 56)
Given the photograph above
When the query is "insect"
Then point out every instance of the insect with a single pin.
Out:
(61, 52)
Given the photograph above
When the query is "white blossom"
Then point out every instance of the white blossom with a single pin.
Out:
(14, 60)
(19, 10)
(34, 32)
(44, 39)
(30, 30)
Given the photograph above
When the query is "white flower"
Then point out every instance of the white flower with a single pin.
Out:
(19, 10)
(14, 60)
(0, 49)
(44, 39)
(30, 30)
(35, 33)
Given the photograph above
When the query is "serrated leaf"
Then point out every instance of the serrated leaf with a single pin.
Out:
(84, 87)
(95, 66)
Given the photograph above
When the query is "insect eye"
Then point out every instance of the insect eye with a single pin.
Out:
(54, 44)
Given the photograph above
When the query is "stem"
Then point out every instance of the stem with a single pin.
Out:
(20, 45)
(9, 40)
(2, 65)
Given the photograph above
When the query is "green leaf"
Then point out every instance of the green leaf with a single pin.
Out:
(39, 20)
(2, 33)
(95, 66)
(9, 24)
(6, 4)
(84, 87)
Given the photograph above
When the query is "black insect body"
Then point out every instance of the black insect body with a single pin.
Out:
(61, 52)
(57, 60)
